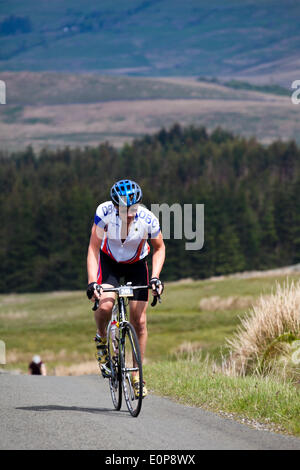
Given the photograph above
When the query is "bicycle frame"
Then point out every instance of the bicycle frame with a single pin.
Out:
(122, 318)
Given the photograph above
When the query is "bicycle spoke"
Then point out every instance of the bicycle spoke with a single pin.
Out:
(115, 379)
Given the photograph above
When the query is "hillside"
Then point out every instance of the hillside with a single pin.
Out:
(56, 109)
(258, 40)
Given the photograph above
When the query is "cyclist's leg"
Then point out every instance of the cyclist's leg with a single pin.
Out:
(108, 276)
(137, 273)
(103, 313)
(138, 320)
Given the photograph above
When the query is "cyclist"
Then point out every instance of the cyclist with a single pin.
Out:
(118, 248)
(36, 366)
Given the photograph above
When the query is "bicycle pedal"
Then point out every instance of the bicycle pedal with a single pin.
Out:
(106, 373)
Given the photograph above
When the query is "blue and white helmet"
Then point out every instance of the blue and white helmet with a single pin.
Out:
(126, 193)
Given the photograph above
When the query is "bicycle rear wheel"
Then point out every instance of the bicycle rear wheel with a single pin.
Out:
(131, 364)
(115, 382)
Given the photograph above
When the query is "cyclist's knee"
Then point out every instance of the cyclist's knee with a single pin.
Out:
(105, 308)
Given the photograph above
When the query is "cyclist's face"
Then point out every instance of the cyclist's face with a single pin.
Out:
(128, 213)
(132, 210)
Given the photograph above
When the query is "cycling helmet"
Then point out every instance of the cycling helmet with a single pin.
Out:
(126, 193)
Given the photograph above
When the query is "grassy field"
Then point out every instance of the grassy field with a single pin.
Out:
(187, 341)
(193, 316)
(54, 110)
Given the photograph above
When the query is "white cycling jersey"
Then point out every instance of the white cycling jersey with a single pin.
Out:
(135, 247)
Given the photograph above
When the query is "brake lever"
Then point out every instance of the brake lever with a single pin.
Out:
(96, 304)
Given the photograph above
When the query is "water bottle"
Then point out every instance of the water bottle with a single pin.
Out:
(115, 335)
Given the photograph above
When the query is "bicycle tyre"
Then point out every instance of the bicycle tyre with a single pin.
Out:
(115, 381)
(129, 349)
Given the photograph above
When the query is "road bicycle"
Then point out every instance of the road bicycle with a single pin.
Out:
(124, 350)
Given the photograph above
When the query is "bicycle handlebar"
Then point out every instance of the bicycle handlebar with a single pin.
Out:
(116, 289)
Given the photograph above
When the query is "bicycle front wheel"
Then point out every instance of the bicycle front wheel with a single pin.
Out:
(131, 365)
(115, 382)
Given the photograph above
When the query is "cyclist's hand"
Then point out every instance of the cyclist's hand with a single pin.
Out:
(157, 286)
(94, 291)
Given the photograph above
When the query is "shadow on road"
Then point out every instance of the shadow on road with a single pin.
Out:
(74, 408)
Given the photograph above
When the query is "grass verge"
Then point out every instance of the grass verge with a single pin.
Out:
(264, 403)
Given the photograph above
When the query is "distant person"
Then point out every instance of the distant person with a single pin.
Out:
(37, 367)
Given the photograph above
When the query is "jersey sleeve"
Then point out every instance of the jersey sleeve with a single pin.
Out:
(150, 221)
(103, 213)
(153, 227)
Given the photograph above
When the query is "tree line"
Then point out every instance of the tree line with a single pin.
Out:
(250, 192)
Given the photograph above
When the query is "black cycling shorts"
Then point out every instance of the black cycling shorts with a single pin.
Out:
(110, 272)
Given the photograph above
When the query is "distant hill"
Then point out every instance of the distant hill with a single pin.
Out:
(256, 40)
(55, 109)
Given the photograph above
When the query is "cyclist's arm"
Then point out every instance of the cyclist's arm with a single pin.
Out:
(97, 235)
(159, 254)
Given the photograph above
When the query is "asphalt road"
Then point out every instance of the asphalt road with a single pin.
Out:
(76, 413)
